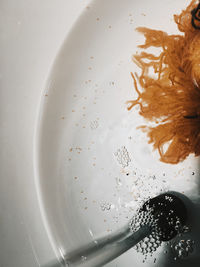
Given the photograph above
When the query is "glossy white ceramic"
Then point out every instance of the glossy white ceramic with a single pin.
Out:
(84, 128)
(31, 33)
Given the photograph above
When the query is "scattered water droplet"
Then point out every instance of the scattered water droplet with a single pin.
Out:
(183, 248)
(94, 124)
(105, 206)
(83, 258)
(122, 156)
(151, 243)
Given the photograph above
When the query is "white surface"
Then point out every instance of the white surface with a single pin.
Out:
(76, 166)
(31, 32)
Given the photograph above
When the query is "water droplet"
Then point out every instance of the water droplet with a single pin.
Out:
(122, 156)
(183, 248)
(83, 258)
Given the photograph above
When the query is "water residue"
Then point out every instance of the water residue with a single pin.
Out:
(106, 206)
(183, 248)
(122, 156)
(151, 243)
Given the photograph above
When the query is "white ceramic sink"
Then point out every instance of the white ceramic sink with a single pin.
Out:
(84, 190)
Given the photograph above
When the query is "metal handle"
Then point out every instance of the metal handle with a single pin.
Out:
(104, 250)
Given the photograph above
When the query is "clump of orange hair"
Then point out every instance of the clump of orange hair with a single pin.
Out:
(172, 98)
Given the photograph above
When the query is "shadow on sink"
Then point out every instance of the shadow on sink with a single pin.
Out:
(193, 259)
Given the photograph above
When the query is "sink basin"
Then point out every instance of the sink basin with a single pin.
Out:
(93, 166)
